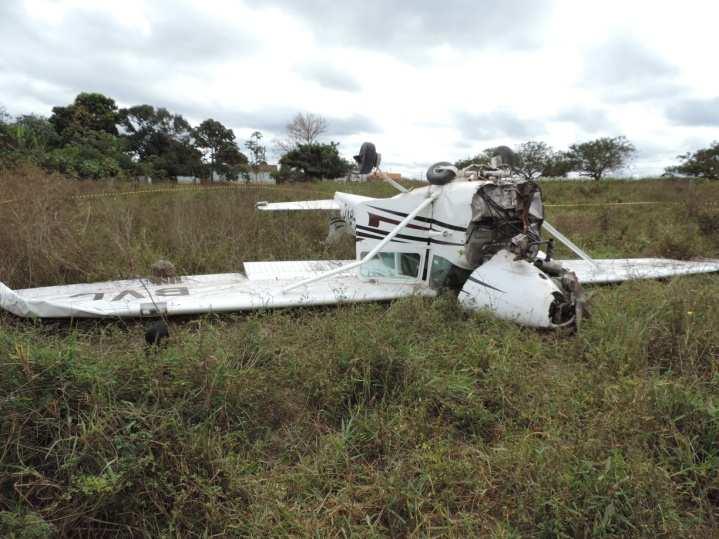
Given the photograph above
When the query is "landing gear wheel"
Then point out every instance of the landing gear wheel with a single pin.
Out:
(367, 158)
(156, 332)
(440, 177)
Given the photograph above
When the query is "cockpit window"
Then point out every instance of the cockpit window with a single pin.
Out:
(392, 265)
(439, 272)
(443, 275)
(408, 264)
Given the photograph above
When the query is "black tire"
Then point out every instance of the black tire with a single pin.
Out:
(441, 177)
(156, 332)
(367, 158)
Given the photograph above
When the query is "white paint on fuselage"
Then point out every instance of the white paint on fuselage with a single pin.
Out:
(438, 230)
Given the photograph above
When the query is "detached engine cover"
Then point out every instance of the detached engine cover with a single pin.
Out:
(513, 290)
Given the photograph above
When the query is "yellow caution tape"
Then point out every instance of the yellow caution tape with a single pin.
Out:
(580, 204)
(264, 187)
(241, 187)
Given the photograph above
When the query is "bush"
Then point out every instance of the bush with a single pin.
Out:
(313, 161)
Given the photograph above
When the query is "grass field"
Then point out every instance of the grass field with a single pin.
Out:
(406, 419)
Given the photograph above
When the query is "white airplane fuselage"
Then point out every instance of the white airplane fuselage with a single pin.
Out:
(433, 244)
(478, 239)
(439, 229)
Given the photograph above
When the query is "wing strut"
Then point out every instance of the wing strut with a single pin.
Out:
(403, 223)
(399, 187)
(566, 241)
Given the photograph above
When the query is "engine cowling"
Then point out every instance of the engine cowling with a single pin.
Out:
(519, 291)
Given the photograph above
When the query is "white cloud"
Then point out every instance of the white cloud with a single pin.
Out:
(426, 81)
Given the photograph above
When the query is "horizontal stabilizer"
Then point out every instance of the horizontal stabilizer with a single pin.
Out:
(299, 205)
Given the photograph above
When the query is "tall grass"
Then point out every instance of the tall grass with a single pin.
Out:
(405, 419)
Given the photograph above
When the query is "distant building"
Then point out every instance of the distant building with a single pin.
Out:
(188, 179)
(257, 174)
(374, 177)
(262, 174)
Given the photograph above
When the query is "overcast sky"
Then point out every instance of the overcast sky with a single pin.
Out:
(426, 80)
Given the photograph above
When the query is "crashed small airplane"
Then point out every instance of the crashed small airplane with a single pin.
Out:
(474, 232)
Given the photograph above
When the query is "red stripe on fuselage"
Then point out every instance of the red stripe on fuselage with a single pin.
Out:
(374, 221)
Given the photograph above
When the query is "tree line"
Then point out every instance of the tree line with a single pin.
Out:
(593, 159)
(93, 138)
(535, 159)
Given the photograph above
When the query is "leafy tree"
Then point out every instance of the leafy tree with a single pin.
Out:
(28, 138)
(33, 133)
(88, 145)
(160, 143)
(532, 158)
(485, 157)
(313, 161)
(702, 163)
(220, 147)
(597, 157)
(479, 159)
(558, 165)
(257, 149)
(91, 155)
(5, 119)
(6, 143)
(89, 112)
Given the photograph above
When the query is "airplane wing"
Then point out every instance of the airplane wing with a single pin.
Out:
(260, 287)
(299, 205)
(625, 269)
(263, 284)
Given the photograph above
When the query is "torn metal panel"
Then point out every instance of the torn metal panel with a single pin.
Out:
(504, 215)
(517, 290)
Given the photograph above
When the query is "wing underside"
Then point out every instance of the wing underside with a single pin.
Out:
(261, 287)
(300, 205)
(626, 269)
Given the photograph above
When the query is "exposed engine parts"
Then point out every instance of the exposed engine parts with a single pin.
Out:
(505, 215)
(569, 306)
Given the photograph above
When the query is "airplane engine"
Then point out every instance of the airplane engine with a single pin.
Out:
(519, 291)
